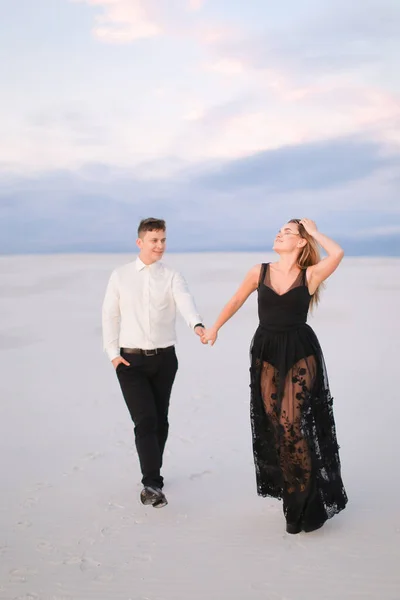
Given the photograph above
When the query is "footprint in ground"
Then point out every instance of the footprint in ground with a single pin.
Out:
(21, 575)
(197, 475)
(93, 455)
(104, 577)
(88, 564)
(24, 525)
(142, 558)
(45, 546)
(30, 502)
(41, 485)
(72, 560)
(114, 506)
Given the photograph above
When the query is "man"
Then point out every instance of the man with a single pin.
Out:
(139, 313)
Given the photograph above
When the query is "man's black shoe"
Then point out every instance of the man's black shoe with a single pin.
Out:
(154, 496)
(161, 502)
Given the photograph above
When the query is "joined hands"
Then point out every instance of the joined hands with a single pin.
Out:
(209, 335)
(200, 331)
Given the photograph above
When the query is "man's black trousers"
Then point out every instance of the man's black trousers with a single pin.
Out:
(146, 386)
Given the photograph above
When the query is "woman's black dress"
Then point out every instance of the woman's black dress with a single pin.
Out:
(295, 448)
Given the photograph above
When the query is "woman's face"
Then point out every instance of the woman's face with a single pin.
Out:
(287, 238)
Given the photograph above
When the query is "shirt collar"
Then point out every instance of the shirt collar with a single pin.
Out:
(140, 265)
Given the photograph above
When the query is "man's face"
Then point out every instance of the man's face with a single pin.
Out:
(152, 245)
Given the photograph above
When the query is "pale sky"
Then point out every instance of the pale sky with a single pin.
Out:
(225, 117)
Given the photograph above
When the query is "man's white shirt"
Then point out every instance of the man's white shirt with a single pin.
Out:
(139, 308)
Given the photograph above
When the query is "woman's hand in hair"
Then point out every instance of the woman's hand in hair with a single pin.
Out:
(309, 226)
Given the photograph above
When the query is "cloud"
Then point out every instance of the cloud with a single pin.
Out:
(254, 121)
(226, 66)
(380, 231)
(124, 21)
(195, 114)
(196, 4)
(218, 85)
(208, 34)
(338, 37)
(222, 114)
(82, 127)
(314, 166)
(347, 185)
(312, 75)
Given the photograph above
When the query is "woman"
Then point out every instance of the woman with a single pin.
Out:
(294, 439)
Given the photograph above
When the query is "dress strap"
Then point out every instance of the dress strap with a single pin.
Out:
(305, 277)
(263, 272)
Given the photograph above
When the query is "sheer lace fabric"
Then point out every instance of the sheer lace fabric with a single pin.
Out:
(294, 438)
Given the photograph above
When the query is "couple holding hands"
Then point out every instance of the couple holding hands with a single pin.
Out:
(296, 453)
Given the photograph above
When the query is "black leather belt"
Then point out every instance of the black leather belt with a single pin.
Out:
(147, 352)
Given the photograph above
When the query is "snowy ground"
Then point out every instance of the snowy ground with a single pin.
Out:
(71, 526)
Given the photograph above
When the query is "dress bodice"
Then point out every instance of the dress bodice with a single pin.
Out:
(282, 311)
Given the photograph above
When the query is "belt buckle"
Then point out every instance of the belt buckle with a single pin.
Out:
(150, 352)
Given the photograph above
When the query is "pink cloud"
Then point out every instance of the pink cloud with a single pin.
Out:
(226, 67)
(196, 4)
(123, 21)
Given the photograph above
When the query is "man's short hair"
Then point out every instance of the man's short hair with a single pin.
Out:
(151, 225)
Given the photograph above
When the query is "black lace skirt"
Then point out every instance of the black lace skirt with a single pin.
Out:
(295, 448)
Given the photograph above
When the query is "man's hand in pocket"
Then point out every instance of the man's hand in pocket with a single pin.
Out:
(119, 360)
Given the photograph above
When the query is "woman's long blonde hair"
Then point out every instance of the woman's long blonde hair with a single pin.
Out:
(309, 255)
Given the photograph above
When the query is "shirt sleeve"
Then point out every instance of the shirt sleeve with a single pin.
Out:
(184, 301)
(111, 317)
